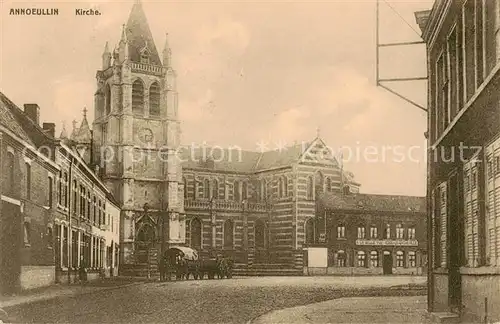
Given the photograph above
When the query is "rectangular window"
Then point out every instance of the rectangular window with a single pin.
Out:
(469, 37)
(400, 232)
(361, 259)
(452, 74)
(400, 259)
(489, 35)
(492, 221)
(388, 231)
(460, 66)
(28, 181)
(74, 249)
(89, 204)
(341, 231)
(373, 232)
(50, 192)
(361, 232)
(471, 213)
(66, 189)
(443, 225)
(479, 42)
(374, 259)
(60, 189)
(411, 233)
(412, 260)
(65, 246)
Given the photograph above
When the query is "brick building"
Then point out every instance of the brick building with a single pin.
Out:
(254, 205)
(54, 214)
(369, 234)
(463, 53)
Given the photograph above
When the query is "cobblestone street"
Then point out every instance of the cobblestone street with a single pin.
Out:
(209, 301)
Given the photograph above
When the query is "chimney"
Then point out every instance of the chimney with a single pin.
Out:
(33, 112)
(50, 129)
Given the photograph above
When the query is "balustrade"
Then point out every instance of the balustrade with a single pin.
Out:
(141, 67)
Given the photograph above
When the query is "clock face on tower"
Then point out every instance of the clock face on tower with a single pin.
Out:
(146, 135)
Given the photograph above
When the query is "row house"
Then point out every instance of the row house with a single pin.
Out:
(369, 233)
(56, 218)
(463, 55)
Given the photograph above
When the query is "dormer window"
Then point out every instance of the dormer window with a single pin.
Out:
(145, 55)
(145, 58)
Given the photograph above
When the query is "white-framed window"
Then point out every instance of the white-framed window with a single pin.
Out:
(411, 233)
(374, 259)
(400, 259)
(341, 231)
(373, 232)
(400, 232)
(412, 259)
(361, 232)
(361, 258)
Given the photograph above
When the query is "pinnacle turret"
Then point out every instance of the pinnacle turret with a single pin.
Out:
(167, 53)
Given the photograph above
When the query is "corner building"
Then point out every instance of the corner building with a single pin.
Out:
(463, 55)
(135, 136)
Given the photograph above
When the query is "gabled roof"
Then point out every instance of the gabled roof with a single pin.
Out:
(83, 133)
(139, 36)
(237, 160)
(8, 120)
(30, 130)
(372, 202)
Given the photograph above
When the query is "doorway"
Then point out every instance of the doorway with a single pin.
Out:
(387, 263)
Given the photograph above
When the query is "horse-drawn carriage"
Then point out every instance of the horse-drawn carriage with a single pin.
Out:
(185, 262)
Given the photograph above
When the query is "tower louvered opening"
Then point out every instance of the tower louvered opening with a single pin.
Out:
(154, 100)
(138, 97)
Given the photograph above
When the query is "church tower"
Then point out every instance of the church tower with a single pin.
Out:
(136, 136)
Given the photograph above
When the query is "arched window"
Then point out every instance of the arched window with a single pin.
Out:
(206, 189)
(154, 100)
(341, 258)
(75, 196)
(361, 259)
(328, 184)
(107, 98)
(310, 189)
(260, 233)
(318, 182)
(228, 234)
(215, 189)
(146, 233)
(264, 189)
(138, 97)
(280, 187)
(236, 191)
(9, 174)
(374, 259)
(196, 233)
(310, 231)
(244, 193)
(184, 181)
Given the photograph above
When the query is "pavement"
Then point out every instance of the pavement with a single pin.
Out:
(395, 310)
(60, 290)
(237, 300)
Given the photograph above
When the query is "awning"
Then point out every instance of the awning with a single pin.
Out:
(189, 253)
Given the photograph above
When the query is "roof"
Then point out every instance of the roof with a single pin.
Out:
(8, 120)
(189, 253)
(373, 202)
(139, 36)
(83, 133)
(25, 128)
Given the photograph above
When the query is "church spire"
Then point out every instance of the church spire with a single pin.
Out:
(106, 57)
(167, 53)
(139, 37)
(64, 133)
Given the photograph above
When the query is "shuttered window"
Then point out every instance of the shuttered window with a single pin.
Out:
(471, 210)
(443, 223)
(493, 208)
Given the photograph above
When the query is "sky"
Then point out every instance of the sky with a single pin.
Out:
(249, 72)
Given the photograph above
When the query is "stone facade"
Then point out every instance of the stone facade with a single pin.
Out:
(136, 134)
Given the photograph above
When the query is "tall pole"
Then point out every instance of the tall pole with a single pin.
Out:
(70, 243)
(377, 59)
